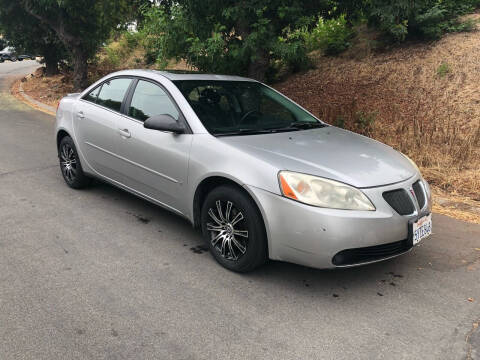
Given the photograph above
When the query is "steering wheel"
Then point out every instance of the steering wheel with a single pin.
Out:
(248, 114)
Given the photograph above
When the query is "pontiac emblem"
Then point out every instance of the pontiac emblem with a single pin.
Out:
(412, 192)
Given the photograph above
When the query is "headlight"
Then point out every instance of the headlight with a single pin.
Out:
(322, 192)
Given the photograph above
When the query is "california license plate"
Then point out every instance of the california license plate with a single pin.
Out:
(422, 229)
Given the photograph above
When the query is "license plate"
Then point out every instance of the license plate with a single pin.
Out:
(422, 229)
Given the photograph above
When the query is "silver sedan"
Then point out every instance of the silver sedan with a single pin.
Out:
(258, 174)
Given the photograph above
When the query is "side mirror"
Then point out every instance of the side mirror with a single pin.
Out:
(164, 123)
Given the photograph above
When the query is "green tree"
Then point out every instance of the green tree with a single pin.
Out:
(81, 26)
(28, 35)
(242, 37)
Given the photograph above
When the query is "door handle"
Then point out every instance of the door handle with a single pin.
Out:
(81, 115)
(124, 133)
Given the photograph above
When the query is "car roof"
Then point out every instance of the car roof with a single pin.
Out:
(183, 75)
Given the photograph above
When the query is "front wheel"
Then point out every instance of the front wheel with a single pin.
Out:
(70, 165)
(233, 228)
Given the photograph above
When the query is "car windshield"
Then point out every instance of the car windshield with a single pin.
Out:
(243, 108)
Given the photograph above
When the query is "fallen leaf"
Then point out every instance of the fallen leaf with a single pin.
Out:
(477, 249)
(470, 299)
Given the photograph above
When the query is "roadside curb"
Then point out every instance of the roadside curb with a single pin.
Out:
(17, 91)
(34, 103)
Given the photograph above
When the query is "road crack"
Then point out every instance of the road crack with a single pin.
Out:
(475, 326)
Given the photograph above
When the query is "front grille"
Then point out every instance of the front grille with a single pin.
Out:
(400, 201)
(417, 188)
(369, 254)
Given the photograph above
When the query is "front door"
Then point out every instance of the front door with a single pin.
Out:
(155, 163)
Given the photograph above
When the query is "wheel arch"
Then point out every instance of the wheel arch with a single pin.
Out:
(210, 183)
(61, 133)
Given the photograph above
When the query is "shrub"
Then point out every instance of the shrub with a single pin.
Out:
(120, 51)
(333, 36)
(365, 122)
(443, 70)
(112, 56)
(424, 19)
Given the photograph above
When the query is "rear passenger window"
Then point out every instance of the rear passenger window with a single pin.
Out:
(150, 100)
(112, 93)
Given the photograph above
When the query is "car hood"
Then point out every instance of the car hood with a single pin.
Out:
(329, 152)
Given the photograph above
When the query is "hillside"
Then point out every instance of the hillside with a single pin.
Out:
(422, 99)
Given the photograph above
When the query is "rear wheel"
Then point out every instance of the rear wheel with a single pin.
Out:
(234, 230)
(70, 165)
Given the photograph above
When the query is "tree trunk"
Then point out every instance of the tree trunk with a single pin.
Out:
(51, 63)
(260, 62)
(259, 65)
(71, 43)
(80, 69)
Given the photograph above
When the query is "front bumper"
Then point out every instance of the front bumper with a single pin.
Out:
(312, 236)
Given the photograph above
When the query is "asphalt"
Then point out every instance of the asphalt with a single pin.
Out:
(100, 274)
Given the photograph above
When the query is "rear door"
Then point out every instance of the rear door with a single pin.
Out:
(155, 162)
(96, 125)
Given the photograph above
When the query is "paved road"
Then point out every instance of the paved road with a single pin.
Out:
(100, 274)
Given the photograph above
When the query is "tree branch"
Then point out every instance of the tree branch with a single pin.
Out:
(58, 27)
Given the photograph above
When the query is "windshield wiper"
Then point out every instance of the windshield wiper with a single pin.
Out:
(307, 125)
(295, 126)
(245, 132)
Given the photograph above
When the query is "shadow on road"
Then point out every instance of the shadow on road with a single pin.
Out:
(388, 272)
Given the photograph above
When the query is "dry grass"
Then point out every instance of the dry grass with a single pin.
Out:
(48, 90)
(401, 98)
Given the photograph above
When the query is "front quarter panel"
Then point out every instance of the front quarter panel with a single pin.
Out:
(212, 157)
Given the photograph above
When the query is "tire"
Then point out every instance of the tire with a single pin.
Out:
(20, 59)
(236, 237)
(70, 165)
